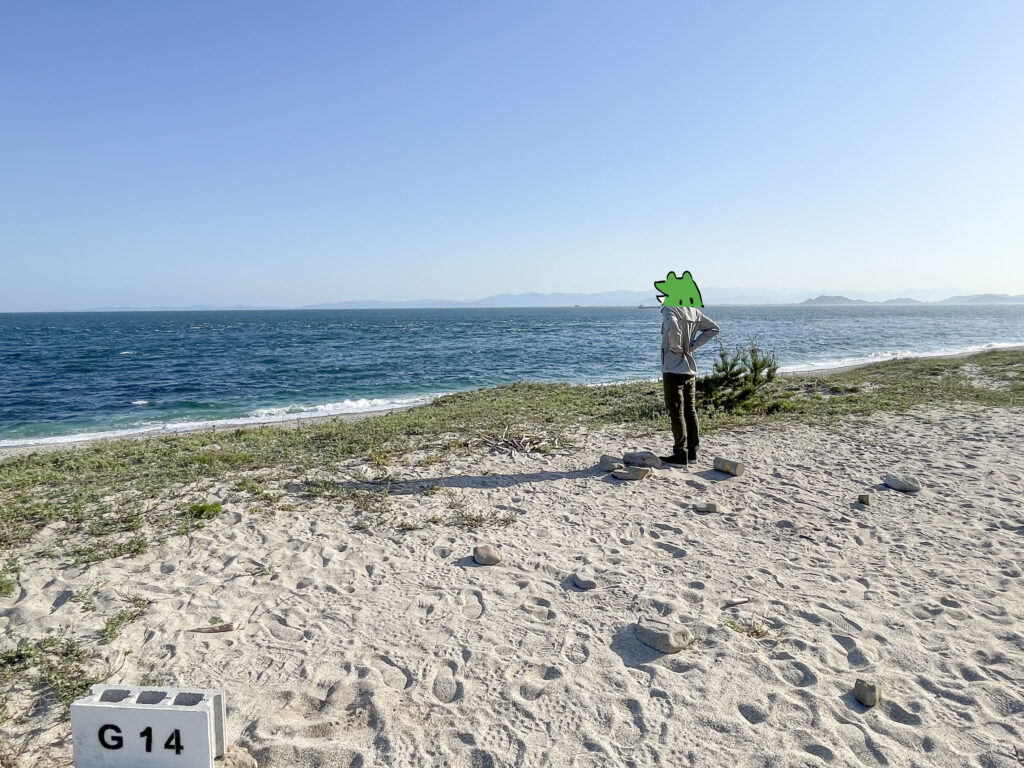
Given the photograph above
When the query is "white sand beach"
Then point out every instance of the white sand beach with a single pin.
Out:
(373, 648)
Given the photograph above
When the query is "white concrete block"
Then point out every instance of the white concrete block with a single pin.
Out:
(127, 726)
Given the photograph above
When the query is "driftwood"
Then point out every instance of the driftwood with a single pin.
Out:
(512, 443)
(215, 628)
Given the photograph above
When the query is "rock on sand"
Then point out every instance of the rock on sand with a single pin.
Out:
(641, 459)
(867, 693)
(632, 473)
(664, 636)
(609, 463)
(485, 554)
(585, 578)
(904, 483)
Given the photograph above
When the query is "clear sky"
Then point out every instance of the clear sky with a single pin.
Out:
(289, 153)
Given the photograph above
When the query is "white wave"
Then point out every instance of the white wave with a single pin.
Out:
(128, 352)
(140, 402)
(898, 354)
(618, 382)
(259, 416)
(360, 405)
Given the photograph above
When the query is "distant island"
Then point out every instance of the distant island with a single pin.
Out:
(834, 301)
(978, 298)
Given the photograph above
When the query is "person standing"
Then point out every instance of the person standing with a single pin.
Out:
(683, 329)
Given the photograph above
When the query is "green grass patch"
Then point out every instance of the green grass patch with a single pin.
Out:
(7, 580)
(54, 666)
(112, 628)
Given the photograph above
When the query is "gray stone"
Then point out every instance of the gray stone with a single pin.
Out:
(610, 463)
(865, 499)
(867, 693)
(728, 466)
(707, 508)
(632, 473)
(904, 483)
(585, 578)
(485, 554)
(664, 636)
(641, 459)
(236, 757)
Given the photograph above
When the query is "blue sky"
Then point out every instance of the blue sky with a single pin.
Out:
(291, 153)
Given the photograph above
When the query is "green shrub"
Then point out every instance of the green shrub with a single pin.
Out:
(739, 381)
(200, 511)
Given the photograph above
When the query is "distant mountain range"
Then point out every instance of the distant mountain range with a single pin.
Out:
(712, 296)
(977, 298)
(605, 299)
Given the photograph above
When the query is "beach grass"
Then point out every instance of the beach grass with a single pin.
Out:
(102, 497)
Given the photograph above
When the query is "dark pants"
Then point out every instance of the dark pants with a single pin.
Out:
(681, 401)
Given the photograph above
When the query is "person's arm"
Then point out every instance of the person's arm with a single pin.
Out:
(708, 330)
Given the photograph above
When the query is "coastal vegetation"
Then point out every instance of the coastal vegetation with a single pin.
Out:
(101, 498)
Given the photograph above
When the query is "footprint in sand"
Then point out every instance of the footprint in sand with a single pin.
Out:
(395, 676)
(278, 627)
(673, 550)
(445, 687)
(855, 657)
(539, 608)
(797, 673)
(576, 651)
(752, 714)
(424, 607)
(536, 681)
(472, 604)
(820, 751)
(925, 612)
(898, 714)
(630, 727)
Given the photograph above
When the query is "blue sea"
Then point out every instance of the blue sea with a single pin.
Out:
(66, 376)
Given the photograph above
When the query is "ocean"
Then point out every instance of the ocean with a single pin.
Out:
(67, 376)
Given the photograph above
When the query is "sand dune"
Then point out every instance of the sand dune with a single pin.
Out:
(388, 648)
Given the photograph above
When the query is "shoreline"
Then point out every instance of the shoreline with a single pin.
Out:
(292, 423)
(853, 366)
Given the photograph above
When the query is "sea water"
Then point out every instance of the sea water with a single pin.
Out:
(68, 375)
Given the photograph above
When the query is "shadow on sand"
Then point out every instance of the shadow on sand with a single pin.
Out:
(405, 487)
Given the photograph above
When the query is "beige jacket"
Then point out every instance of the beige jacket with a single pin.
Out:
(683, 329)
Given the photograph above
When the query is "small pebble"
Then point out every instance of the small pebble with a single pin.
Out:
(485, 554)
(664, 636)
(867, 693)
(707, 508)
(865, 499)
(733, 601)
(632, 473)
(585, 578)
(610, 463)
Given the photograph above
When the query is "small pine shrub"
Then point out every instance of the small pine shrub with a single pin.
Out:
(739, 381)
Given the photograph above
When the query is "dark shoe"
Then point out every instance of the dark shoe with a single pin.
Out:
(674, 459)
(691, 456)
